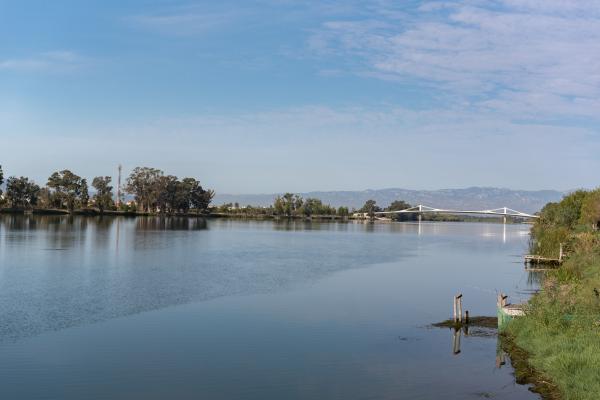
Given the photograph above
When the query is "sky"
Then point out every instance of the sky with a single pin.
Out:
(261, 96)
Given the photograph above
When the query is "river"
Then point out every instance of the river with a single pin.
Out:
(150, 308)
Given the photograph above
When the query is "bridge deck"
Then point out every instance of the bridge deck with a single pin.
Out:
(504, 212)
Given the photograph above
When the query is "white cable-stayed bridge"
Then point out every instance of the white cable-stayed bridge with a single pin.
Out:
(422, 209)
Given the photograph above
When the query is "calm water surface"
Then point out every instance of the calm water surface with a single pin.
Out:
(152, 308)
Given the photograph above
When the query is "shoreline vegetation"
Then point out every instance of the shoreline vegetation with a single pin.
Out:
(67, 193)
(559, 336)
(152, 193)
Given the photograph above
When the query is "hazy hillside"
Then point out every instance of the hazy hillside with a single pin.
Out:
(469, 198)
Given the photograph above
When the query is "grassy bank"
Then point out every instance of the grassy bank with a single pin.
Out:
(561, 330)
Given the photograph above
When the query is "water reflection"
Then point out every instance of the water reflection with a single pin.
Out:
(179, 309)
(456, 334)
(534, 278)
(170, 224)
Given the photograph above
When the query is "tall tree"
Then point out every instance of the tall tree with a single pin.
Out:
(370, 208)
(399, 205)
(45, 198)
(103, 197)
(590, 210)
(21, 192)
(314, 206)
(85, 195)
(166, 191)
(1, 179)
(343, 211)
(200, 198)
(143, 183)
(67, 188)
(289, 204)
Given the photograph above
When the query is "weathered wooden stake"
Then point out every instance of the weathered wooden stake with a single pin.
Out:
(560, 253)
(460, 313)
(454, 310)
(502, 300)
(467, 317)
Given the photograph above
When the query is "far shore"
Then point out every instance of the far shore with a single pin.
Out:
(91, 212)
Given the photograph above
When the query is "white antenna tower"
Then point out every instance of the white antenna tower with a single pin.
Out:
(119, 187)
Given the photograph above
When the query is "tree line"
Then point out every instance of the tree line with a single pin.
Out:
(561, 222)
(292, 205)
(153, 192)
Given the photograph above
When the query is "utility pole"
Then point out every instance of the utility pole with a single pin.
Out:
(119, 188)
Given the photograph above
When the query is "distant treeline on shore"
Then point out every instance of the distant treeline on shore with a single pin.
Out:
(292, 205)
(65, 191)
(154, 193)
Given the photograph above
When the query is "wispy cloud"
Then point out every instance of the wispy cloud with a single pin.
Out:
(524, 57)
(51, 61)
(184, 20)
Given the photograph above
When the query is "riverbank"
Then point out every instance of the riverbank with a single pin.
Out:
(260, 217)
(561, 329)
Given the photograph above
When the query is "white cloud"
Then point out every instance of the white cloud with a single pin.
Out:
(51, 61)
(184, 21)
(492, 53)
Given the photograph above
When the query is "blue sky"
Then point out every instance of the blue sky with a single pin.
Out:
(271, 96)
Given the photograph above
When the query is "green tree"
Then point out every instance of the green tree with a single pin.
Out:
(1, 182)
(343, 211)
(565, 214)
(399, 205)
(21, 192)
(590, 210)
(66, 188)
(199, 198)
(144, 183)
(103, 198)
(166, 191)
(289, 204)
(557, 222)
(182, 198)
(312, 207)
(370, 208)
(279, 206)
(45, 198)
(84, 197)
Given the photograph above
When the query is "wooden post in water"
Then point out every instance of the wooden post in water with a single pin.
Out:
(455, 319)
(460, 313)
(467, 317)
(502, 300)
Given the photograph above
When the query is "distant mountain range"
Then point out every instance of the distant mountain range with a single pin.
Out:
(528, 201)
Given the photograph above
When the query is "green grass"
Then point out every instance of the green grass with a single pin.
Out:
(561, 331)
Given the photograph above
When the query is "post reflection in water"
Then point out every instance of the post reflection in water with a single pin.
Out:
(117, 235)
(456, 334)
(489, 334)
